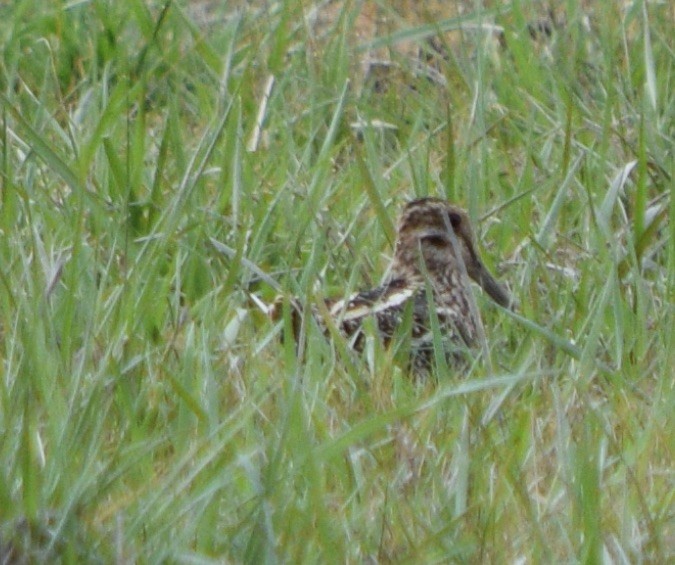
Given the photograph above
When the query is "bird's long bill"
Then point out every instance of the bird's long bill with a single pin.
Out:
(495, 290)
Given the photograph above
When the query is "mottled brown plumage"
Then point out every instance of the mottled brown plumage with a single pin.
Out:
(434, 254)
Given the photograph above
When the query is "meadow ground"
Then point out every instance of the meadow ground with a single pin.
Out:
(155, 155)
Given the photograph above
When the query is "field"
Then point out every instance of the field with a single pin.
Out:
(167, 168)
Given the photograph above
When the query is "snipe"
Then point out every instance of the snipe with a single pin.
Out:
(435, 251)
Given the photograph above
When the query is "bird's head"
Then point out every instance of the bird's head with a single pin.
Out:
(434, 236)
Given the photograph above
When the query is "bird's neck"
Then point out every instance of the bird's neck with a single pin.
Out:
(442, 272)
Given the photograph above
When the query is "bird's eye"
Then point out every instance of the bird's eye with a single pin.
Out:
(455, 220)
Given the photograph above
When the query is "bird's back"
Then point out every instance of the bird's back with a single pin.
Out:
(400, 309)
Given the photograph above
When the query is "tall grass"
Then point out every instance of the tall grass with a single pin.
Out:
(154, 162)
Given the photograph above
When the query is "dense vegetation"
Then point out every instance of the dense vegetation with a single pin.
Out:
(156, 156)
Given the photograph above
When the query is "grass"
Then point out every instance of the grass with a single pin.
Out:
(148, 411)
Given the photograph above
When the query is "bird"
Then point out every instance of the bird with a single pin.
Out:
(426, 287)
